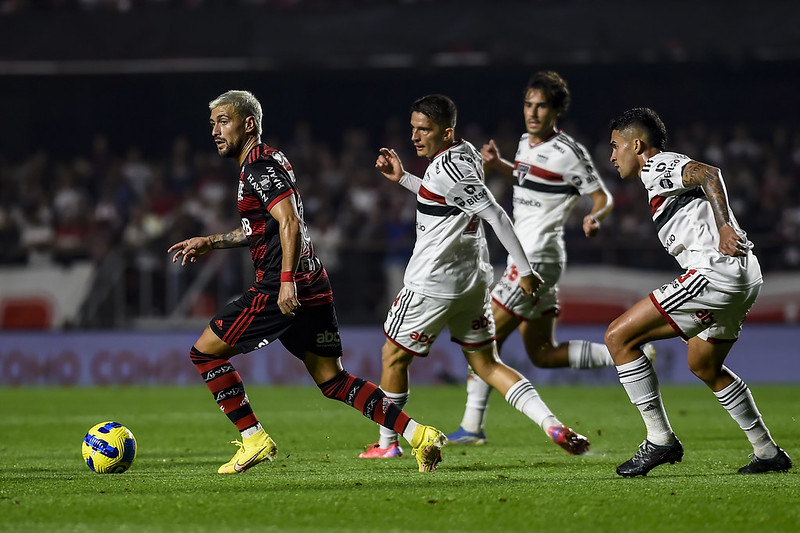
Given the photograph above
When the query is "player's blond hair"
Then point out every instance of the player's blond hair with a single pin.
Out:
(244, 104)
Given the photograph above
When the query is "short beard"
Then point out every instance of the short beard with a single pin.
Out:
(228, 151)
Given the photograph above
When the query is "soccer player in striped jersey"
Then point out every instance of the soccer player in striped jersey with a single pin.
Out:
(290, 299)
(550, 171)
(447, 279)
(705, 306)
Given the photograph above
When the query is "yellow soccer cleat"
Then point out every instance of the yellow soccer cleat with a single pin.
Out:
(253, 450)
(427, 444)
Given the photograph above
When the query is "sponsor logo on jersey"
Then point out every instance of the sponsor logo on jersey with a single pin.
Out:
(470, 200)
(266, 179)
(558, 148)
(261, 344)
(529, 203)
(240, 194)
(665, 183)
(542, 158)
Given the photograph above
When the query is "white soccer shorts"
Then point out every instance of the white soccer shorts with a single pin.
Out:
(695, 308)
(414, 321)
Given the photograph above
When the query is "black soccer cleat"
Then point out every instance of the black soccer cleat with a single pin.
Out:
(780, 463)
(650, 456)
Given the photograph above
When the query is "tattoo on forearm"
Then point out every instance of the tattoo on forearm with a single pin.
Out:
(708, 178)
(232, 239)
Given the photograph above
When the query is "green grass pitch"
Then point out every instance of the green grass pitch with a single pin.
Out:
(519, 481)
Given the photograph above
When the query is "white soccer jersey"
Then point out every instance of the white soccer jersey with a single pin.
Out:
(686, 226)
(551, 176)
(450, 256)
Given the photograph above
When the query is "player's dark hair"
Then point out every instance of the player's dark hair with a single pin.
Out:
(646, 120)
(437, 107)
(553, 87)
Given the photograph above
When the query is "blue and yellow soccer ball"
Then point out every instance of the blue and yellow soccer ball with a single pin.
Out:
(109, 448)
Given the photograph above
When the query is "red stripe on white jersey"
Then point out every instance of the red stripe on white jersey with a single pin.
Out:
(655, 203)
(428, 195)
(540, 172)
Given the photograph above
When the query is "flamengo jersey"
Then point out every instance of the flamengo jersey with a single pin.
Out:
(686, 226)
(551, 176)
(266, 178)
(450, 256)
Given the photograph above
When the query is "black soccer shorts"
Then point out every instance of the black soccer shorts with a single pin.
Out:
(254, 321)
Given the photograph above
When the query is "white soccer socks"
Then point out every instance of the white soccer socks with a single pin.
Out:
(524, 398)
(584, 355)
(477, 402)
(389, 436)
(737, 400)
(641, 383)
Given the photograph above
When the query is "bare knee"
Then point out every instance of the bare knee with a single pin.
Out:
(395, 357)
(614, 339)
(708, 371)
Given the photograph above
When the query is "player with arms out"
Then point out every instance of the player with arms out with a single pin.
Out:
(447, 279)
(551, 171)
(705, 306)
(290, 300)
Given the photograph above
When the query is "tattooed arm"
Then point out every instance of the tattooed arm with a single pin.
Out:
(196, 247)
(710, 180)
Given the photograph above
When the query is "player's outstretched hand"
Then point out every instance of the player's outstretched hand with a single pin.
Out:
(530, 284)
(730, 243)
(190, 249)
(389, 165)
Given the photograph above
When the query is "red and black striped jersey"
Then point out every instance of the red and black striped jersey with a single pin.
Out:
(266, 178)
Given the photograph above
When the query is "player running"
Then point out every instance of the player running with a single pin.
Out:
(551, 171)
(447, 278)
(290, 300)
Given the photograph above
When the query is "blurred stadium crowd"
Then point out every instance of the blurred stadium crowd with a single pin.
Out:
(115, 199)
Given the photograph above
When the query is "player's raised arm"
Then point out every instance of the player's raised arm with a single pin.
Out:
(493, 160)
(391, 167)
(389, 164)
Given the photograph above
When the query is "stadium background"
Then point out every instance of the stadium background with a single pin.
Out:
(106, 159)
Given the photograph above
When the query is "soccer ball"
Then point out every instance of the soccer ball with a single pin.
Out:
(109, 448)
